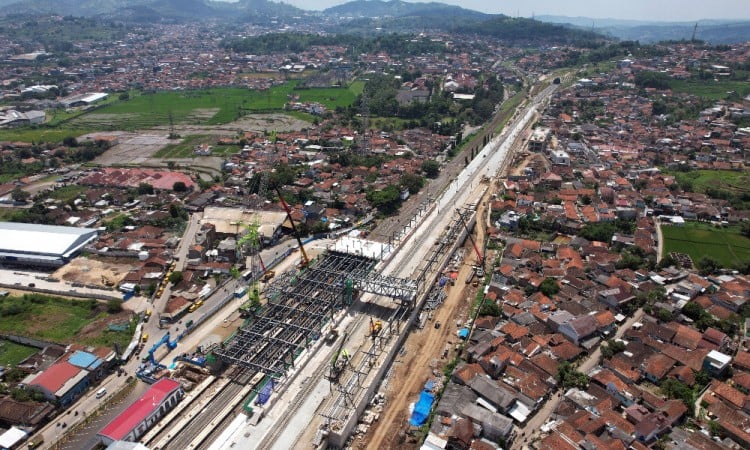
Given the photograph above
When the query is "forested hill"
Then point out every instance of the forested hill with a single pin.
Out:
(510, 30)
(154, 10)
(528, 30)
(396, 8)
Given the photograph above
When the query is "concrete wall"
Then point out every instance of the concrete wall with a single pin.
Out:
(338, 439)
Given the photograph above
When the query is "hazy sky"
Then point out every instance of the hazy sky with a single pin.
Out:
(663, 10)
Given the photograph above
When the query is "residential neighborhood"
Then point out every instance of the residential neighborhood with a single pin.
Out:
(157, 168)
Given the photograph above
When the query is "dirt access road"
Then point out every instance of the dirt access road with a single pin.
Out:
(424, 349)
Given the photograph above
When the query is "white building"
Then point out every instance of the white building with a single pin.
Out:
(560, 158)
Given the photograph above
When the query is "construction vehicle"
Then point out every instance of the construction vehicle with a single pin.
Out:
(150, 356)
(339, 360)
(471, 275)
(36, 441)
(375, 327)
(107, 282)
(332, 334)
(305, 260)
(268, 275)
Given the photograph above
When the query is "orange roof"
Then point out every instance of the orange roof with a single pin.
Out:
(605, 318)
(514, 330)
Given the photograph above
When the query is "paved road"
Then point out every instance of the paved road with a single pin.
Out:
(87, 404)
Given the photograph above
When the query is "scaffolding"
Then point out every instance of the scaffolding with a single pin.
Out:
(293, 317)
(353, 382)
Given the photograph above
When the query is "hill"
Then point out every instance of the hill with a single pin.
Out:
(712, 31)
(529, 30)
(152, 10)
(396, 8)
(396, 16)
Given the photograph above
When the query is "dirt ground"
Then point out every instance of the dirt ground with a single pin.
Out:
(139, 147)
(93, 271)
(424, 349)
(94, 329)
(537, 161)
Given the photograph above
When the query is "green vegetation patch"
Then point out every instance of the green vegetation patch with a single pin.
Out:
(186, 148)
(68, 193)
(508, 108)
(48, 318)
(732, 186)
(43, 134)
(725, 245)
(714, 90)
(703, 181)
(11, 353)
(208, 106)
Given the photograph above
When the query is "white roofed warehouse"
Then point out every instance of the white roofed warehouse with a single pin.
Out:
(41, 245)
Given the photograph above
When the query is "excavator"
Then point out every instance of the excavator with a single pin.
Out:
(305, 260)
(107, 282)
(339, 360)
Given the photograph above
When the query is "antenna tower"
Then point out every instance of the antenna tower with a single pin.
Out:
(365, 113)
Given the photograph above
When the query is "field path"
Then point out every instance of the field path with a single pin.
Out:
(660, 241)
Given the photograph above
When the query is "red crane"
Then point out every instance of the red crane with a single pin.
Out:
(305, 259)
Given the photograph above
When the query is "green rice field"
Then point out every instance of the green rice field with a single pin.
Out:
(196, 107)
(725, 245)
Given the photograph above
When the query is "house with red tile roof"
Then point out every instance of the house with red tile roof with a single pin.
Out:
(656, 367)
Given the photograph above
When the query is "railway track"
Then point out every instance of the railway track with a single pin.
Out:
(219, 428)
(353, 329)
(193, 432)
(281, 424)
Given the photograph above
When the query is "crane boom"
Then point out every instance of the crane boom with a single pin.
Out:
(468, 233)
(305, 259)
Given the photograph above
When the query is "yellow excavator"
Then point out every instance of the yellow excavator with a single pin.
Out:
(375, 327)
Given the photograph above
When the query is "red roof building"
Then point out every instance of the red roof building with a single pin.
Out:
(143, 413)
(62, 382)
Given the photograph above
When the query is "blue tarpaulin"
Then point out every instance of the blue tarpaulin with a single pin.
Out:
(463, 333)
(265, 393)
(422, 409)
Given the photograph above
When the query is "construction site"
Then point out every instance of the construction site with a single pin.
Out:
(303, 369)
(335, 324)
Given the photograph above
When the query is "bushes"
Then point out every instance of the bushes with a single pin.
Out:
(114, 306)
(569, 377)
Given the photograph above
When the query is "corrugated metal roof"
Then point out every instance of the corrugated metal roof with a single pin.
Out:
(142, 408)
(82, 359)
(42, 239)
(55, 377)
